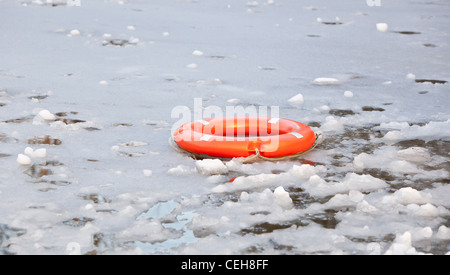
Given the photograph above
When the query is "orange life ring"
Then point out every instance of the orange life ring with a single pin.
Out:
(244, 136)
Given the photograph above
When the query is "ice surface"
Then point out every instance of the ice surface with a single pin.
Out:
(89, 94)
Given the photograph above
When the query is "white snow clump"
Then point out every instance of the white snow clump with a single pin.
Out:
(211, 167)
(382, 27)
(297, 100)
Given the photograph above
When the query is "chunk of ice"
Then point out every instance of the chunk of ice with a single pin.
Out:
(75, 32)
(46, 115)
(23, 159)
(382, 27)
(211, 167)
(297, 100)
(415, 154)
(197, 53)
(407, 195)
(40, 153)
(282, 197)
(326, 81)
(348, 94)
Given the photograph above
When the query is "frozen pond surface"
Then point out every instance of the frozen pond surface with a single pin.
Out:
(86, 100)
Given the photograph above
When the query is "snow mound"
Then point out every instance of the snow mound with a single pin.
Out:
(211, 167)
